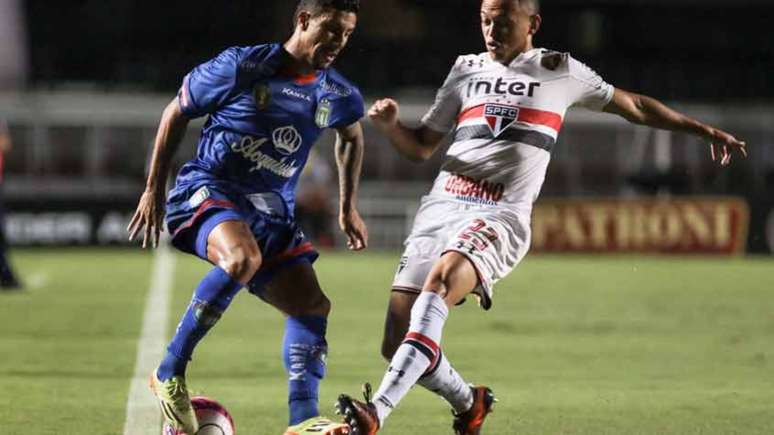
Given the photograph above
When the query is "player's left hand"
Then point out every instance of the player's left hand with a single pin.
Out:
(722, 146)
(353, 226)
(150, 216)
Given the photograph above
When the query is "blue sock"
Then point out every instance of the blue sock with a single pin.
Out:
(210, 300)
(303, 350)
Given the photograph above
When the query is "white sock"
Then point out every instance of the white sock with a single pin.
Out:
(415, 355)
(447, 383)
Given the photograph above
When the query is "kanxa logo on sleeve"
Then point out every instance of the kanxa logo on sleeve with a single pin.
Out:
(286, 140)
(499, 117)
(290, 92)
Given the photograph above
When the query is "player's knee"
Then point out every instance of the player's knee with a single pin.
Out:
(242, 263)
(438, 282)
(322, 306)
(450, 276)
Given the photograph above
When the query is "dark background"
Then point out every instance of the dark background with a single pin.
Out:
(684, 50)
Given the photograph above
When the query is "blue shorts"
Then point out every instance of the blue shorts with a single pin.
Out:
(194, 211)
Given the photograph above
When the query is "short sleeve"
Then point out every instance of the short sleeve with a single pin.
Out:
(442, 116)
(208, 86)
(587, 88)
(348, 111)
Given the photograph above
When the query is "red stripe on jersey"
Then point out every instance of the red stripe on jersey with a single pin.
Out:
(540, 117)
(306, 79)
(206, 205)
(303, 248)
(473, 112)
(530, 116)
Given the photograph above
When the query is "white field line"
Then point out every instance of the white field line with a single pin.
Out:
(142, 412)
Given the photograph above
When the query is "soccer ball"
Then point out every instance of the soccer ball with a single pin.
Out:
(213, 418)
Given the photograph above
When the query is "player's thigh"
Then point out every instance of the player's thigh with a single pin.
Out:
(452, 277)
(397, 320)
(232, 246)
(295, 291)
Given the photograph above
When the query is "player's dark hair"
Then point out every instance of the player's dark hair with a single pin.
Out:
(316, 7)
(535, 4)
(532, 4)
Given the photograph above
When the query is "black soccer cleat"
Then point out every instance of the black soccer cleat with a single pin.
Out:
(470, 422)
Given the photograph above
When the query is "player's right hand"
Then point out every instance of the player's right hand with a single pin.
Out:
(384, 113)
(722, 144)
(149, 215)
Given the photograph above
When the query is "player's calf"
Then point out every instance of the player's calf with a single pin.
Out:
(211, 298)
(397, 321)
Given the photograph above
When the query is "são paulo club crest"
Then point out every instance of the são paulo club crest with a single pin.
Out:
(499, 117)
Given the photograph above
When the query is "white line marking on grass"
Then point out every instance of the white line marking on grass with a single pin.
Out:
(142, 412)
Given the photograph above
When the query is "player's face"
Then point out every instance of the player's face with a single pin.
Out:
(507, 27)
(327, 35)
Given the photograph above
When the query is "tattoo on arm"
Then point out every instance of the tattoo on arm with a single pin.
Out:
(349, 160)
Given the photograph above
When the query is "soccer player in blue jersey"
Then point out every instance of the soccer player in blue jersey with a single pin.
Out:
(233, 205)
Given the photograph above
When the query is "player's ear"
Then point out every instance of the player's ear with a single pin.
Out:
(303, 19)
(534, 23)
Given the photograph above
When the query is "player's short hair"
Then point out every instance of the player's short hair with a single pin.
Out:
(534, 5)
(316, 7)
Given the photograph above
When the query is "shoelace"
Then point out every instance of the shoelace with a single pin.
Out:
(177, 392)
(367, 392)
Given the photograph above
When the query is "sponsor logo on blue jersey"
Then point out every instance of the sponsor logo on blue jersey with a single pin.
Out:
(289, 140)
(335, 88)
(296, 94)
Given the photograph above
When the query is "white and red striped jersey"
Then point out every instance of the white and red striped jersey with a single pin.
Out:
(506, 119)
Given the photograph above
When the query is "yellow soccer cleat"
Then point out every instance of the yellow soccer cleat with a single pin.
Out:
(318, 426)
(175, 403)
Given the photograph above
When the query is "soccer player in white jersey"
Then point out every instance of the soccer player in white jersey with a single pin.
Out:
(505, 108)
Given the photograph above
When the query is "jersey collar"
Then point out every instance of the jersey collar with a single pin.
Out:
(524, 56)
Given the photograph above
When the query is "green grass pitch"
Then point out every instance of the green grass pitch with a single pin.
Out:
(573, 345)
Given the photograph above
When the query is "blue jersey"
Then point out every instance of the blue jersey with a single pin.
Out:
(262, 123)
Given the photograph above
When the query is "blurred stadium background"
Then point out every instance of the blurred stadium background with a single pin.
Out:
(83, 83)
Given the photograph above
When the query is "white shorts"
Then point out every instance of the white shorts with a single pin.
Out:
(494, 239)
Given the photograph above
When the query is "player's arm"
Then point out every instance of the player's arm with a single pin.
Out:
(349, 160)
(150, 210)
(416, 144)
(643, 110)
